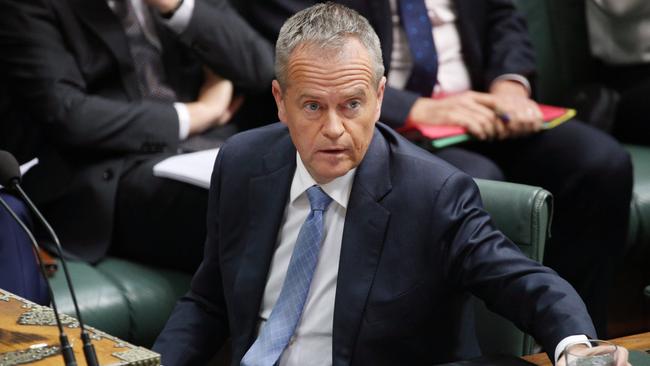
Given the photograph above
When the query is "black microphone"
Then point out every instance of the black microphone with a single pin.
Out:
(66, 349)
(10, 177)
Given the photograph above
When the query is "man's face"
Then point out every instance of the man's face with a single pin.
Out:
(330, 105)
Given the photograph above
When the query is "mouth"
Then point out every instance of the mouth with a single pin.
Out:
(332, 150)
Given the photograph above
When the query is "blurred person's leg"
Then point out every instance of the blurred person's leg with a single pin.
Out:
(632, 82)
(474, 164)
(19, 273)
(159, 221)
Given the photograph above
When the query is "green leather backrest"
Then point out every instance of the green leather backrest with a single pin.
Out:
(558, 31)
(523, 213)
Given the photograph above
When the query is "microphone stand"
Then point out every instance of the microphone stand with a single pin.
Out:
(66, 349)
(88, 348)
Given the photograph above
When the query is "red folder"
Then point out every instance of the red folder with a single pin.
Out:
(446, 135)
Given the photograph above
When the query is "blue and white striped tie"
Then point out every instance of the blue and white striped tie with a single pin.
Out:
(280, 326)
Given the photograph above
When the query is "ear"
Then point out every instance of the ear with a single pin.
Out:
(279, 101)
(380, 96)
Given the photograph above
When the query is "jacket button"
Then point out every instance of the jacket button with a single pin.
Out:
(108, 174)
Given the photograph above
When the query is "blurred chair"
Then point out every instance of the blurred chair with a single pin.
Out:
(124, 299)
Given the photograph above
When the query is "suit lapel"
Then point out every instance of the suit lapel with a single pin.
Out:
(268, 198)
(363, 238)
(102, 21)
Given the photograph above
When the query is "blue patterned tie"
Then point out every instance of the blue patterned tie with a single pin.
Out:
(280, 326)
(417, 26)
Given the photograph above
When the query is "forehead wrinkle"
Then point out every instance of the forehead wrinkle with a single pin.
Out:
(324, 86)
(351, 91)
(340, 65)
(337, 78)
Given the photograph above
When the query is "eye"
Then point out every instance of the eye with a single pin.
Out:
(354, 104)
(312, 106)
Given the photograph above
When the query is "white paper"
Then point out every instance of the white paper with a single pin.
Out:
(28, 165)
(193, 168)
(25, 167)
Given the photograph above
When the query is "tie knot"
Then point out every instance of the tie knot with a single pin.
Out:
(318, 199)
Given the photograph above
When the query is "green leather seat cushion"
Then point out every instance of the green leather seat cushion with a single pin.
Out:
(101, 301)
(151, 295)
(124, 299)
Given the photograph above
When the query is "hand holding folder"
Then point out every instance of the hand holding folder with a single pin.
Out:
(447, 135)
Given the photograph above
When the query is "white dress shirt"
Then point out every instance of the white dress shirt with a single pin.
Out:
(619, 30)
(453, 76)
(311, 344)
(178, 22)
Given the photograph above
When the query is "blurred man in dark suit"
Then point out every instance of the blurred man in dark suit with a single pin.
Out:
(113, 87)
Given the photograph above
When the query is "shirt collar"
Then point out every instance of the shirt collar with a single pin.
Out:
(338, 189)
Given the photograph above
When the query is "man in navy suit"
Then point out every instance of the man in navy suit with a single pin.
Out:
(400, 234)
(484, 63)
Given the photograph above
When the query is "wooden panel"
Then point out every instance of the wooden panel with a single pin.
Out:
(20, 337)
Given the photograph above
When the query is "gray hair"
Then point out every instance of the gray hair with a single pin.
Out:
(327, 26)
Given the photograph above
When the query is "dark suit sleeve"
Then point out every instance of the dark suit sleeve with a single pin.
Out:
(507, 48)
(47, 77)
(229, 46)
(267, 17)
(396, 106)
(198, 326)
(482, 260)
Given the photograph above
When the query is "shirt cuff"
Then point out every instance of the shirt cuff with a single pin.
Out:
(183, 120)
(516, 78)
(559, 349)
(181, 18)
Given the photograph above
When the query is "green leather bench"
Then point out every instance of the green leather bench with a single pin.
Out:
(132, 301)
(125, 299)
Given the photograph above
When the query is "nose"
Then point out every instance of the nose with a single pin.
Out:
(333, 126)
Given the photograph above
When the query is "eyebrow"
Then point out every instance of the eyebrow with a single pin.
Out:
(357, 92)
(308, 96)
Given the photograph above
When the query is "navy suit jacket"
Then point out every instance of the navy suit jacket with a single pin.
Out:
(416, 238)
(494, 40)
